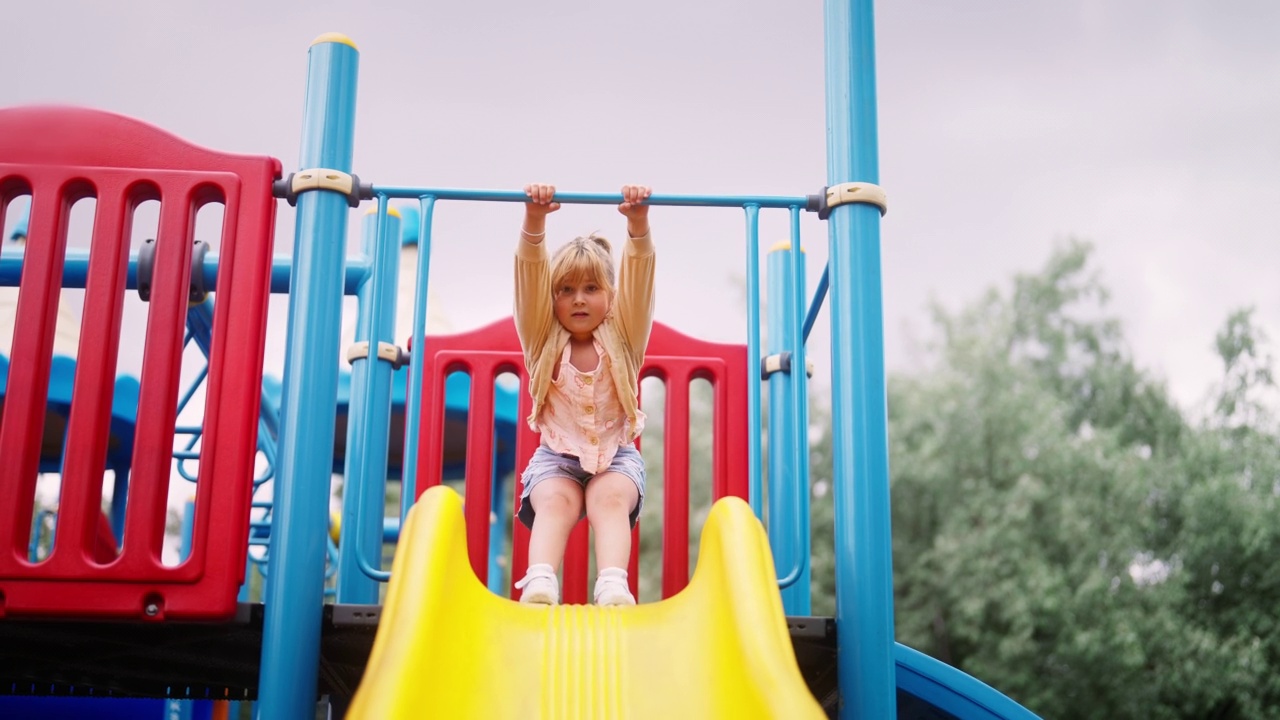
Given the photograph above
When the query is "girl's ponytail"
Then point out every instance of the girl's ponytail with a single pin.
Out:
(602, 242)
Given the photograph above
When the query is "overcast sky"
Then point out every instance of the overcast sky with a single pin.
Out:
(1151, 128)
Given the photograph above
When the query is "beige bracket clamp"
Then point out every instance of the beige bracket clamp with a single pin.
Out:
(322, 179)
(850, 192)
(393, 354)
(781, 363)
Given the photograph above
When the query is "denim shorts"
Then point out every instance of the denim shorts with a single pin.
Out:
(546, 463)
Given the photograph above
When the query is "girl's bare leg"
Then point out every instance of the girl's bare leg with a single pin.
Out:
(557, 504)
(610, 498)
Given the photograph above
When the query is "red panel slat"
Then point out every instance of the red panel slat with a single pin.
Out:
(675, 528)
(32, 351)
(88, 426)
(431, 444)
(576, 565)
(63, 153)
(479, 488)
(161, 370)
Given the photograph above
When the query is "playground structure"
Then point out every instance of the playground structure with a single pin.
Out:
(292, 647)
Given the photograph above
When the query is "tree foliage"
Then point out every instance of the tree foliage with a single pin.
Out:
(1062, 530)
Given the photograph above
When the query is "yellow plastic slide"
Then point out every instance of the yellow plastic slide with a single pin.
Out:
(449, 648)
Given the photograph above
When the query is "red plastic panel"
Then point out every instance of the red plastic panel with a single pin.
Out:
(59, 155)
(676, 358)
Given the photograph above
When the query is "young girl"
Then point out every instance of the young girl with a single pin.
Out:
(584, 336)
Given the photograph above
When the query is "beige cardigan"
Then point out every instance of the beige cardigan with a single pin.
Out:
(624, 332)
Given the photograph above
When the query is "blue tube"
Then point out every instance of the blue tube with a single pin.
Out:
(295, 586)
(799, 381)
(364, 488)
(815, 307)
(38, 534)
(75, 271)
(788, 523)
(497, 528)
(382, 319)
(581, 198)
(864, 562)
(413, 405)
(755, 493)
(188, 526)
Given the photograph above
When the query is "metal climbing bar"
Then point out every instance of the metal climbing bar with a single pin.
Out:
(369, 414)
(585, 198)
(751, 206)
(413, 405)
(755, 444)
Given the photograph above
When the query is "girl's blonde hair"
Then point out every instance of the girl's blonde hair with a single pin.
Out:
(581, 259)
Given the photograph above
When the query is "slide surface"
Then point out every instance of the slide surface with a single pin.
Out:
(447, 647)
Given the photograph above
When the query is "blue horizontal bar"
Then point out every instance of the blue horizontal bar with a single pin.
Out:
(75, 270)
(579, 198)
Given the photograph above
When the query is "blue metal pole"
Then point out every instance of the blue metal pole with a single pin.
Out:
(755, 490)
(188, 527)
(497, 528)
(412, 403)
(585, 198)
(295, 587)
(815, 307)
(119, 498)
(778, 279)
(368, 412)
(354, 586)
(864, 561)
(382, 320)
(799, 379)
(75, 271)
(790, 545)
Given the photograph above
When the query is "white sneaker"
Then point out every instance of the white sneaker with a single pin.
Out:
(611, 588)
(539, 586)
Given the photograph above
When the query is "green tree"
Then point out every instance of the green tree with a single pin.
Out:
(1061, 530)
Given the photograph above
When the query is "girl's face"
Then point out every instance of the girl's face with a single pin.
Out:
(580, 306)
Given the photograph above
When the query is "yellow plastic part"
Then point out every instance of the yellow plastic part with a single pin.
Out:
(447, 647)
(783, 245)
(334, 37)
